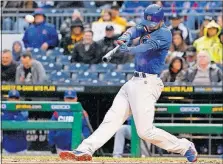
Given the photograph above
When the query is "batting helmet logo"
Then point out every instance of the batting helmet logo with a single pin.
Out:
(149, 18)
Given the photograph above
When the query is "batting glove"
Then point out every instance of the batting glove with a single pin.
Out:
(124, 38)
(124, 48)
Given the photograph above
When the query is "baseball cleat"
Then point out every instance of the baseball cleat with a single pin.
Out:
(75, 155)
(191, 153)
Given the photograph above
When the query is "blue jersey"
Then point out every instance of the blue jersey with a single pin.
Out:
(14, 141)
(152, 50)
(62, 138)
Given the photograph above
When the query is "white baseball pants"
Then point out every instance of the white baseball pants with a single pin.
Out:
(136, 97)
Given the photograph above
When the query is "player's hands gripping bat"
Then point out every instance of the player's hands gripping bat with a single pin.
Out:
(122, 42)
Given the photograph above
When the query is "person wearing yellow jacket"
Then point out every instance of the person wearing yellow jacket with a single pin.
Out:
(116, 18)
(210, 42)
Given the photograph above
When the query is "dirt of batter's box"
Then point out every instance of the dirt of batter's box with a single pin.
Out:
(73, 162)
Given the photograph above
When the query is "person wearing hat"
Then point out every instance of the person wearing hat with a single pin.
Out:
(30, 71)
(190, 56)
(207, 19)
(210, 41)
(40, 34)
(66, 24)
(14, 141)
(108, 43)
(72, 38)
(62, 138)
(177, 25)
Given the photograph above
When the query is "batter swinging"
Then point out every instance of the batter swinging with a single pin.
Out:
(137, 97)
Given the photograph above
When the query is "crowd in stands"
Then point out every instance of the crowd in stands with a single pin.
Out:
(75, 53)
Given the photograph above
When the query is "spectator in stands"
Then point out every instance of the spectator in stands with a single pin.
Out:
(65, 26)
(177, 25)
(21, 4)
(220, 21)
(210, 41)
(204, 73)
(134, 6)
(30, 71)
(178, 45)
(218, 48)
(190, 56)
(62, 138)
(17, 50)
(69, 4)
(8, 67)
(30, 4)
(41, 34)
(72, 38)
(175, 72)
(108, 42)
(106, 16)
(14, 141)
(207, 19)
(118, 19)
(87, 51)
(45, 3)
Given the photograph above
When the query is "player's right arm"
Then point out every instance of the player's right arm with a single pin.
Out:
(131, 33)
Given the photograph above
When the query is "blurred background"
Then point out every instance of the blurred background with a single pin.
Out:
(51, 46)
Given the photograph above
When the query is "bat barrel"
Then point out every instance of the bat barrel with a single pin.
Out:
(109, 55)
(106, 59)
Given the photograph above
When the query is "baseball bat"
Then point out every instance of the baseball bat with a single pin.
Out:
(109, 55)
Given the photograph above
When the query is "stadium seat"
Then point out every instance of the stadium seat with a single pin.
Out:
(46, 59)
(55, 52)
(129, 76)
(112, 76)
(86, 76)
(59, 76)
(37, 51)
(128, 67)
(63, 59)
(50, 67)
(76, 67)
(104, 67)
(119, 83)
(93, 83)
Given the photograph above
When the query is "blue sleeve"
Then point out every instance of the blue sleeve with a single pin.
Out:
(21, 116)
(152, 44)
(53, 37)
(5, 115)
(52, 133)
(135, 32)
(25, 40)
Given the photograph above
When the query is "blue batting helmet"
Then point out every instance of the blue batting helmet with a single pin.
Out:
(153, 14)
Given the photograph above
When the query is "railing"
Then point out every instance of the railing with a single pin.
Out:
(185, 128)
(75, 126)
(13, 20)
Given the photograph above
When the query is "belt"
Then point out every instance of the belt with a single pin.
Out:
(141, 74)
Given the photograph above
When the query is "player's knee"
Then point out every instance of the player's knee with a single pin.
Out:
(145, 134)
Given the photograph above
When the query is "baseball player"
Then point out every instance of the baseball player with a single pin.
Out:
(138, 96)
